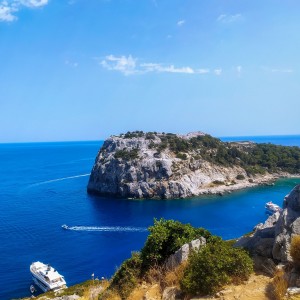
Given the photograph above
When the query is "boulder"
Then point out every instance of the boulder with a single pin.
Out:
(183, 253)
(172, 293)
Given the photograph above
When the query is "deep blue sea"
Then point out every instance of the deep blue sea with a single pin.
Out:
(43, 186)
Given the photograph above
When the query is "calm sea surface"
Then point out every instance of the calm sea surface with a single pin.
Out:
(43, 186)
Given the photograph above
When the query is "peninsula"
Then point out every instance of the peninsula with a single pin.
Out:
(166, 165)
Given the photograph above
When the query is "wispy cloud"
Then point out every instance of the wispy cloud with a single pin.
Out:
(130, 65)
(153, 67)
(123, 64)
(71, 64)
(282, 70)
(8, 9)
(218, 72)
(33, 3)
(229, 18)
(277, 70)
(180, 23)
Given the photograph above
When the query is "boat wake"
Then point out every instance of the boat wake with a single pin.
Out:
(105, 228)
(60, 179)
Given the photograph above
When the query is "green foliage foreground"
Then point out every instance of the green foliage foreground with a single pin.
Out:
(217, 264)
(207, 271)
(165, 238)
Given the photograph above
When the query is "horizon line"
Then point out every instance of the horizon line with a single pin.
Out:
(101, 140)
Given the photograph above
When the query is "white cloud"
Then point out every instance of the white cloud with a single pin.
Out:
(152, 67)
(229, 18)
(33, 3)
(218, 72)
(180, 23)
(7, 12)
(123, 64)
(129, 65)
(9, 9)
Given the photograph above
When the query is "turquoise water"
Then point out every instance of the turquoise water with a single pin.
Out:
(43, 186)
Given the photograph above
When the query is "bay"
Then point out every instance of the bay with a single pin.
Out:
(43, 186)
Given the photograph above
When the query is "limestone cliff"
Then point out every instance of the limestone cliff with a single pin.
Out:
(273, 238)
(158, 165)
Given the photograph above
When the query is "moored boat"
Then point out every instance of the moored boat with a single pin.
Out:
(46, 277)
(272, 208)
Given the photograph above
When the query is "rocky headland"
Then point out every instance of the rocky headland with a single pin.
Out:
(159, 165)
(272, 240)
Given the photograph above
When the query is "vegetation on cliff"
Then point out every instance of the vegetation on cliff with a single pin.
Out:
(206, 271)
(254, 158)
(214, 266)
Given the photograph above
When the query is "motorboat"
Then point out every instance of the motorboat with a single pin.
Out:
(272, 208)
(46, 277)
(65, 226)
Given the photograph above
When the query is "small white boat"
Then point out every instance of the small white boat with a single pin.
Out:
(272, 208)
(65, 226)
(46, 277)
(32, 289)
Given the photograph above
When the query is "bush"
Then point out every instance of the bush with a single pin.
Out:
(127, 276)
(127, 155)
(165, 238)
(240, 177)
(295, 249)
(218, 182)
(216, 264)
(181, 156)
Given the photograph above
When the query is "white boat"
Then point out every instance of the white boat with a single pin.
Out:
(46, 277)
(272, 208)
(65, 226)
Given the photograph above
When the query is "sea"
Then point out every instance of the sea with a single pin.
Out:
(43, 186)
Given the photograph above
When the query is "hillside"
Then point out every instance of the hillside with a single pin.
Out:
(166, 165)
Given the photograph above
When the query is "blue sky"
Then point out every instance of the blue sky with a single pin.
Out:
(86, 69)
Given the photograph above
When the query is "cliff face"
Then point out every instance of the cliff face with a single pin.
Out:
(163, 166)
(273, 238)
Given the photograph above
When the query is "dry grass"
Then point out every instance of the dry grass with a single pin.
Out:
(156, 275)
(110, 294)
(295, 249)
(173, 277)
(279, 285)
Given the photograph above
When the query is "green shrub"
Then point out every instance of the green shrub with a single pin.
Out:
(165, 238)
(218, 182)
(181, 156)
(127, 276)
(215, 265)
(240, 177)
(127, 155)
(133, 134)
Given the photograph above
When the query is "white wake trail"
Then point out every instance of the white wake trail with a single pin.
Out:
(107, 228)
(60, 179)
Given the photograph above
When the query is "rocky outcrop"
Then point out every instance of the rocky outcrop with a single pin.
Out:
(154, 165)
(272, 239)
(182, 254)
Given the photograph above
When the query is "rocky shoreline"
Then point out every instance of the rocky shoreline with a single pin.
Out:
(165, 166)
(268, 180)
